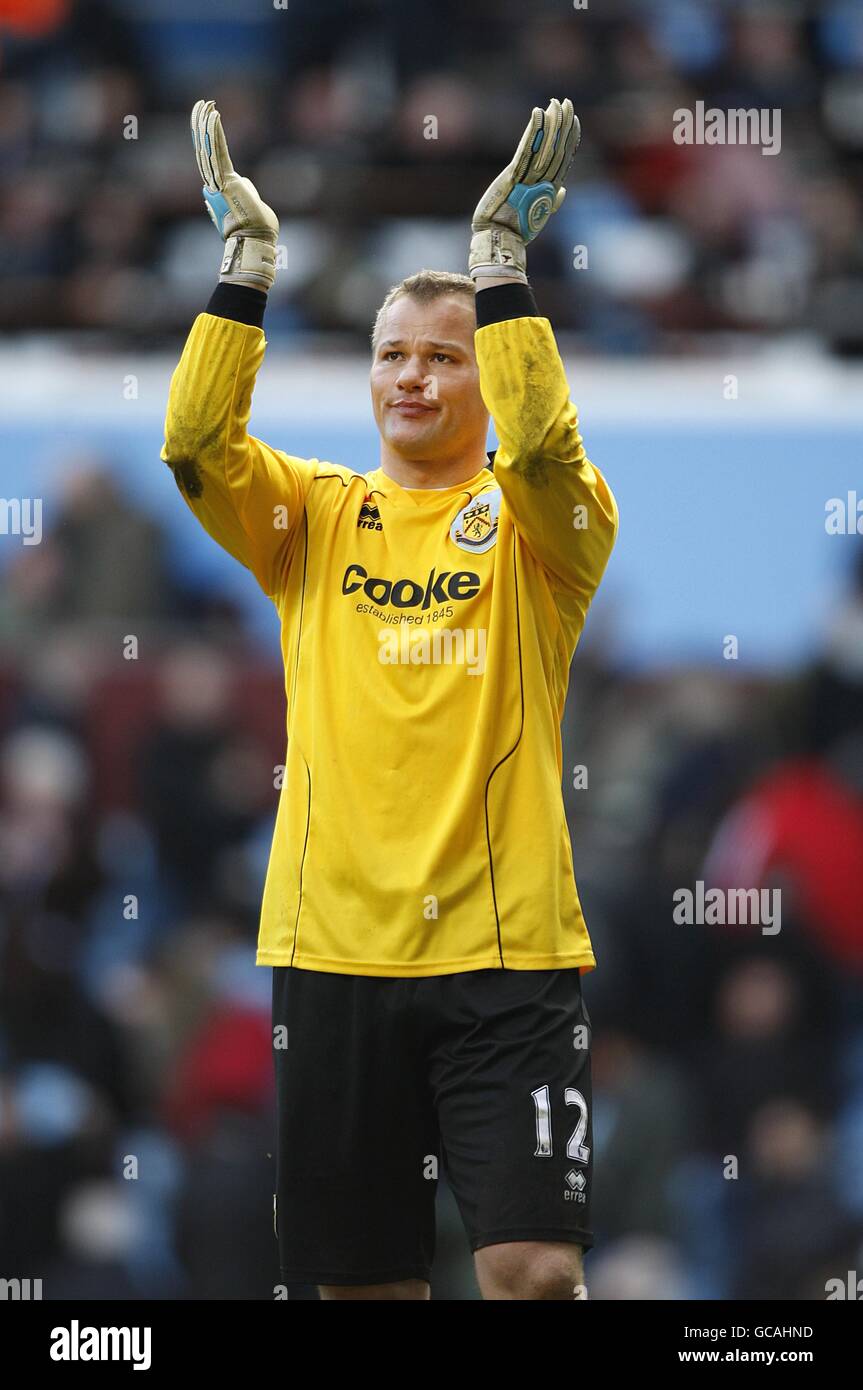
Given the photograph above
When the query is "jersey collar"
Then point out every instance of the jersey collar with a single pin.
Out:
(425, 496)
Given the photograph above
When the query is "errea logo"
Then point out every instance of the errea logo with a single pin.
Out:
(370, 516)
(576, 1183)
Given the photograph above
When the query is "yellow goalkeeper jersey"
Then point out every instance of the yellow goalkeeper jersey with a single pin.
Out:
(427, 637)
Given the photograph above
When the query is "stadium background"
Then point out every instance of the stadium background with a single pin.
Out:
(713, 346)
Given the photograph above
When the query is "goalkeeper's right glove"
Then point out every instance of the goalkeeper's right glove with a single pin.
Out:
(248, 227)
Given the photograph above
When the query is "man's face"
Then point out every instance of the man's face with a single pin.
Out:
(425, 380)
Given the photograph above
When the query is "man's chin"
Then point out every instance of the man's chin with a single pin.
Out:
(410, 433)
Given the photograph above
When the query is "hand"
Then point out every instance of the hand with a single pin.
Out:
(516, 207)
(248, 227)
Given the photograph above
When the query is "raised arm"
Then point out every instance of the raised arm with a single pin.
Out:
(248, 496)
(560, 503)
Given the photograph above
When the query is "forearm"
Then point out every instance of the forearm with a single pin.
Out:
(210, 397)
(560, 504)
(523, 381)
(247, 495)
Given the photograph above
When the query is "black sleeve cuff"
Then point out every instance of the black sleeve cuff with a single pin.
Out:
(499, 302)
(239, 302)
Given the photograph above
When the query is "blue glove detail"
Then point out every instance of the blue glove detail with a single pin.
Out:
(538, 138)
(218, 208)
(534, 204)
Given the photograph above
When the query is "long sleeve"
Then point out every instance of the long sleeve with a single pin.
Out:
(559, 501)
(247, 495)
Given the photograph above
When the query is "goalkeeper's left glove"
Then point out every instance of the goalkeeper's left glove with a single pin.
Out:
(521, 200)
(248, 227)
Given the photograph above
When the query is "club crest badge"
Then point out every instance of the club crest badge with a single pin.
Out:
(475, 527)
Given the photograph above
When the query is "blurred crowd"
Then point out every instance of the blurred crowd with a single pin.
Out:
(140, 740)
(142, 730)
(329, 106)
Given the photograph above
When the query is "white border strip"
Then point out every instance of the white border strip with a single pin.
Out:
(51, 387)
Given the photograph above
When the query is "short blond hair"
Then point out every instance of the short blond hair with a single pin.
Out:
(425, 286)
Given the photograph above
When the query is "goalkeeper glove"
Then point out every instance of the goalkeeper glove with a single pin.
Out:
(247, 226)
(521, 200)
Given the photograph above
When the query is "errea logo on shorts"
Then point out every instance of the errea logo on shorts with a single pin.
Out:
(577, 1182)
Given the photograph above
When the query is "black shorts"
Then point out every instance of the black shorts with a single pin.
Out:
(486, 1071)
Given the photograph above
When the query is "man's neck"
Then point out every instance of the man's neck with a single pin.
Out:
(428, 473)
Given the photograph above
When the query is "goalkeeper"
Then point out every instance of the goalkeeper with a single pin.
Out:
(420, 912)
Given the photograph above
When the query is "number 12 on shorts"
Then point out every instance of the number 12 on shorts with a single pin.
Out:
(576, 1149)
